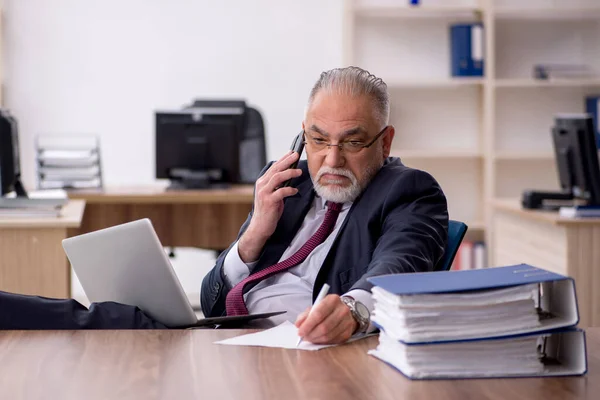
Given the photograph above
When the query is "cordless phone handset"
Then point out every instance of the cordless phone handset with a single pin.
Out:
(298, 147)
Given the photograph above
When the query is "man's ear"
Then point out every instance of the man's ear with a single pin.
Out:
(303, 128)
(387, 141)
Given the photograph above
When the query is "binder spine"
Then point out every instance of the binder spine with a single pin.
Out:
(467, 49)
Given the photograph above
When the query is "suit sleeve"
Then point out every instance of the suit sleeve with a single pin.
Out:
(214, 287)
(414, 229)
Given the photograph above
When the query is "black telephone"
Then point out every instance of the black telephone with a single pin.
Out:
(298, 147)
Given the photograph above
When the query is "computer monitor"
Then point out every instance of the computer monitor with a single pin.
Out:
(253, 152)
(576, 156)
(199, 147)
(10, 164)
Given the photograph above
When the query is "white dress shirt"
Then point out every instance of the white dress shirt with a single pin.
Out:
(291, 290)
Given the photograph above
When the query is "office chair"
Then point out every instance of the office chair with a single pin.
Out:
(456, 233)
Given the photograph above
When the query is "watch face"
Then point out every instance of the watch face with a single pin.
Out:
(362, 310)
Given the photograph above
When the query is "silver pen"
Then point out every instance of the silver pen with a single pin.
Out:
(321, 296)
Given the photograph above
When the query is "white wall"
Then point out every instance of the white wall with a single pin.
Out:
(103, 66)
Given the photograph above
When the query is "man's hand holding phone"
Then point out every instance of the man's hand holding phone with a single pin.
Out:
(268, 205)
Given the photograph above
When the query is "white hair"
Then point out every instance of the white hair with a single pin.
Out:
(355, 82)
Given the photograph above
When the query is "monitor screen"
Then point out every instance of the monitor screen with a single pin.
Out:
(199, 142)
(577, 156)
(10, 165)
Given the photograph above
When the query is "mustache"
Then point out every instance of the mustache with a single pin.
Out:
(336, 171)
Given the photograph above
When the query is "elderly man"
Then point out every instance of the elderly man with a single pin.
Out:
(351, 212)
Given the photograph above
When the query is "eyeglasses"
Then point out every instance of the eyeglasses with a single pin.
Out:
(349, 146)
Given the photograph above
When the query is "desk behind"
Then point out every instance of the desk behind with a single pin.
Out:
(208, 219)
(568, 246)
(32, 260)
(186, 364)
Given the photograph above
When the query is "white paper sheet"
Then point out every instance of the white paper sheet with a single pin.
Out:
(284, 336)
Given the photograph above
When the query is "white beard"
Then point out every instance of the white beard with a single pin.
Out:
(345, 194)
(332, 191)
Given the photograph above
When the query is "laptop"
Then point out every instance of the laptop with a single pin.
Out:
(128, 264)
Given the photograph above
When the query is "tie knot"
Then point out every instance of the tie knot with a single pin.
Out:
(334, 206)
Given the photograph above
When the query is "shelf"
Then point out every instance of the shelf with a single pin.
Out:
(505, 13)
(437, 154)
(405, 12)
(524, 156)
(510, 110)
(518, 83)
(433, 83)
(549, 13)
(534, 83)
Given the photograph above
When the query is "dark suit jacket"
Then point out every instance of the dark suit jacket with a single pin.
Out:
(398, 224)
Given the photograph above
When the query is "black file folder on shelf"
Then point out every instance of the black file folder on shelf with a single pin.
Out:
(497, 322)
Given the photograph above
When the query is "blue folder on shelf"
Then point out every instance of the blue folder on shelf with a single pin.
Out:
(466, 49)
(433, 324)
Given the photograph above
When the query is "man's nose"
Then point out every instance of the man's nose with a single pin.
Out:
(335, 157)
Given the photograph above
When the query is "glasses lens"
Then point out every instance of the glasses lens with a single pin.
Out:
(317, 144)
(350, 147)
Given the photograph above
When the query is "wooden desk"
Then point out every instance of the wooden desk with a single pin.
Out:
(208, 219)
(568, 246)
(187, 365)
(32, 260)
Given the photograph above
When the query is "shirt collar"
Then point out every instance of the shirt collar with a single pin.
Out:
(320, 203)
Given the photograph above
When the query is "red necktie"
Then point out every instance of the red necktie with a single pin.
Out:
(235, 298)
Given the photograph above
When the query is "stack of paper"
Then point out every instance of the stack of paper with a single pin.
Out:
(432, 317)
(41, 203)
(509, 321)
(68, 158)
(463, 359)
(69, 167)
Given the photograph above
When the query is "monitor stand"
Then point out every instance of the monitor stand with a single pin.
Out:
(19, 188)
(537, 199)
(188, 185)
(192, 180)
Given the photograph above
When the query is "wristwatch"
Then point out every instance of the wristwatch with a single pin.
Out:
(360, 313)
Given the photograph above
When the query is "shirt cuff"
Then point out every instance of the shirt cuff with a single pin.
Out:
(364, 297)
(234, 269)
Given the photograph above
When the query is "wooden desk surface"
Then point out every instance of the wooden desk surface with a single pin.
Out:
(514, 207)
(186, 364)
(156, 194)
(71, 215)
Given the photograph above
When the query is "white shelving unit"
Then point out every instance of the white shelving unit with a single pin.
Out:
(437, 154)
(532, 83)
(486, 137)
(560, 11)
(425, 83)
(392, 10)
(523, 155)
